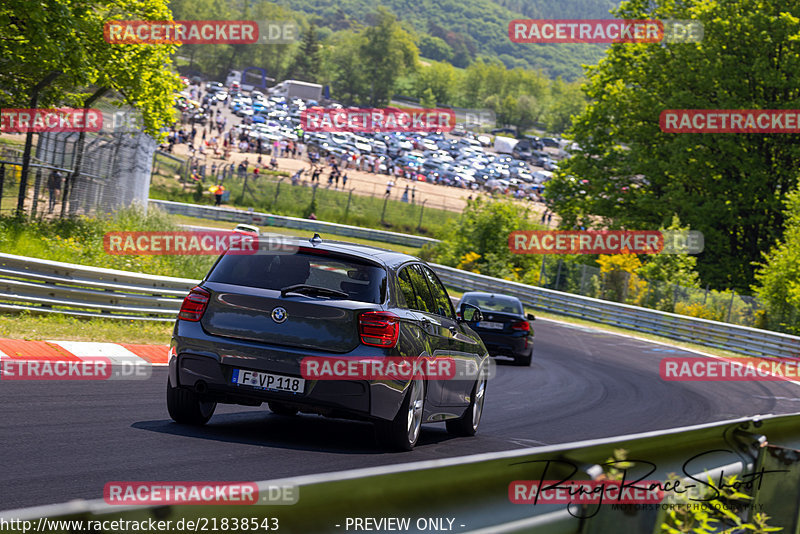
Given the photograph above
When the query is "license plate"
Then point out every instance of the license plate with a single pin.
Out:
(268, 381)
(490, 325)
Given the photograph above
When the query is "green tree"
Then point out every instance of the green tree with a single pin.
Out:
(428, 99)
(528, 112)
(730, 187)
(306, 60)
(673, 268)
(778, 275)
(341, 68)
(386, 53)
(566, 101)
(439, 78)
(435, 48)
(479, 241)
(38, 38)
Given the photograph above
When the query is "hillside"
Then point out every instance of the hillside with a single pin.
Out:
(460, 31)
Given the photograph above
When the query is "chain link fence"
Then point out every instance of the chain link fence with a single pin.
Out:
(113, 171)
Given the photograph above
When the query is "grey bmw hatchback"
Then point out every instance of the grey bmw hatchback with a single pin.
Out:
(243, 334)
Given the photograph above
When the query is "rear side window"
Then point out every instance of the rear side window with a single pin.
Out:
(361, 281)
(443, 305)
(406, 290)
(424, 301)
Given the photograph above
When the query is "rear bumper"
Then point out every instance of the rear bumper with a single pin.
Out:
(507, 345)
(205, 364)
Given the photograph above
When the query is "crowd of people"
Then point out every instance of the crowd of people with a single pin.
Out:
(216, 140)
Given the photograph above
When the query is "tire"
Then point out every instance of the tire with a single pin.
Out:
(402, 433)
(187, 407)
(467, 424)
(523, 361)
(281, 409)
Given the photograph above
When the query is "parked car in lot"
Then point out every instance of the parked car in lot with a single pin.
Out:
(243, 331)
(198, 118)
(504, 327)
(551, 142)
(213, 87)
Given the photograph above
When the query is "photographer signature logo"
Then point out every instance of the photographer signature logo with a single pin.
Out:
(591, 494)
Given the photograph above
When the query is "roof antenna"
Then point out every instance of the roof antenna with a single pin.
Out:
(316, 240)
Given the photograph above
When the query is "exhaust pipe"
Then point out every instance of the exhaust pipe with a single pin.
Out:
(201, 387)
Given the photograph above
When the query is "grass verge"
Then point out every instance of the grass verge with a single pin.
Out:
(266, 194)
(64, 328)
(211, 223)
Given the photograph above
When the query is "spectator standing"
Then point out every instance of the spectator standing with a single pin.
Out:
(404, 198)
(54, 188)
(389, 186)
(296, 176)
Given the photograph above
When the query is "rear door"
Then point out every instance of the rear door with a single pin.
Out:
(464, 349)
(436, 340)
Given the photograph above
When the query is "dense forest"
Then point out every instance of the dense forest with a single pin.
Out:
(462, 31)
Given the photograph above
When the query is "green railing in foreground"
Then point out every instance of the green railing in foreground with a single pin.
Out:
(473, 491)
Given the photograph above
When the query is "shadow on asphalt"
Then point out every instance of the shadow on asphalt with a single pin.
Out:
(300, 432)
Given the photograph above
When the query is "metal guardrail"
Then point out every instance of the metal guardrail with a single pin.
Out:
(242, 216)
(734, 338)
(473, 491)
(44, 286)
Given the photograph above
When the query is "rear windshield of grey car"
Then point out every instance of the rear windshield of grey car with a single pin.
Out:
(362, 281)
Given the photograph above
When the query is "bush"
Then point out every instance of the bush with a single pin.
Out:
(80, 240)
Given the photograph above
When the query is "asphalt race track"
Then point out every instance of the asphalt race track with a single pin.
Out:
(66, 440)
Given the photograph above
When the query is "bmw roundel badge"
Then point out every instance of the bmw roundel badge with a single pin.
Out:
(279, 315)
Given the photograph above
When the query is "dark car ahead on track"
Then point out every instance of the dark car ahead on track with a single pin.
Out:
(504, 327)
(243, 331)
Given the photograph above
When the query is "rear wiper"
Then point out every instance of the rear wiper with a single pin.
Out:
(304, 289)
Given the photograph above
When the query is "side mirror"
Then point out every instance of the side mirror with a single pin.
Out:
(470, 313)
(530, 317)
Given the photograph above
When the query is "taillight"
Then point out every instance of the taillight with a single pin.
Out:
(379, 329)
(194, 304)
(521, 326)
